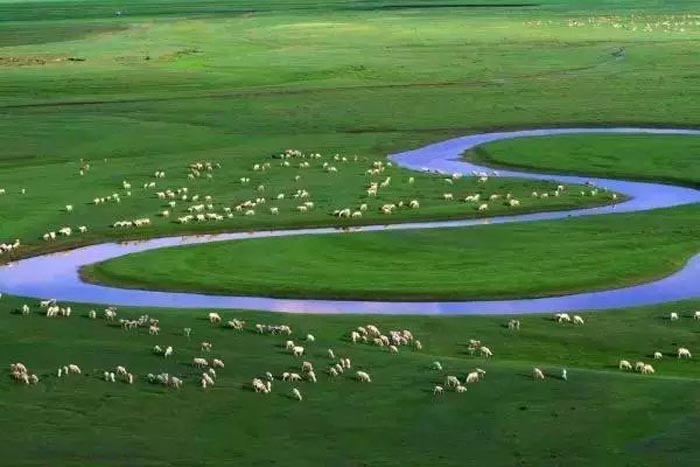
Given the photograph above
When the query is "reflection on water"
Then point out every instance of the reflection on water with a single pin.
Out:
(56, 275)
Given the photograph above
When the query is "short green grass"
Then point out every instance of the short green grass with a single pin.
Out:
(493, 261)
(171, 82)
(670, 159)
(600, 416)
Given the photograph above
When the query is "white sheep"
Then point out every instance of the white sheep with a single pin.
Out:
(578, 319)
(199, 362)
(486, 352)
(296, 394)
(673, 316)
(438, 390)
(363, 377)
(298, 351)
(658, 356)
(217, 363)
(214, 318)
(451, 381)
(537, 373)
(683, 353)
(625, 365)
(331, 354)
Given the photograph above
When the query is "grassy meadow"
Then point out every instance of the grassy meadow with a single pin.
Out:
(601, 415)
(132, 87)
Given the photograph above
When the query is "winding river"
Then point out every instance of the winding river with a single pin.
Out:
(56, 275)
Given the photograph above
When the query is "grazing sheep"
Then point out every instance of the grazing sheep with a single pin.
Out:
(294, 377)
(648, 370)
(331, 354)
(363, 377)
(216, 363)
(355, 336)
(92, 314)
(310, 338)
(438, 390)
(296, 394)
(460, 389)
(214, 318)
(658, 356)
(393, 349)
(307, 366)
(73, 368)
(418, 345)
(625, 365)
(311, 376)
(514, 324)
(175, 382)
(168, 352)
(298, 351)
(437, 366)
(206, 347)
(696, 315)
(683, 352)
(472, 377)
(187, 332)
(451, 381)
(486, 352)
(207, 379)
(199, 362)
(564, 375)
(537, 373)
(578, 319)
(289, 345)
(121, 371)
(638, 366)
(562, 318)
(673, 316)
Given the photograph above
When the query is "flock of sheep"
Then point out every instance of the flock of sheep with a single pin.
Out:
(208, 366)
(335, 366)
(181, 206)
(648, 369)
(632, 23)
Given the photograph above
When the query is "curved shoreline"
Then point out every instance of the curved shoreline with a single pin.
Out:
(57, 275)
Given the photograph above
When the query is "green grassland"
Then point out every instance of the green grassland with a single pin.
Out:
(497, 261)
(601, 415)
(167, 83)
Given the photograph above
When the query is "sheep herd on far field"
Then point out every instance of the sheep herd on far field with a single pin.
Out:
(302, 349)
(180, 204)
